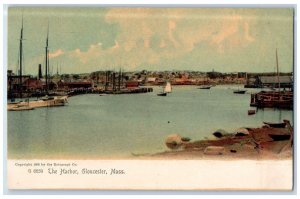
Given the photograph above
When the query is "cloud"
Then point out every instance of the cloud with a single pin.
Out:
(57, 53)
(149, 36)
(168, 38)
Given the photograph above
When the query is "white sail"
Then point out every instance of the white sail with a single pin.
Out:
(168, 88)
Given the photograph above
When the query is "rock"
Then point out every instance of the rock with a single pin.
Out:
(173, 141)
(220, 133)
(214, 150)
(242, 132)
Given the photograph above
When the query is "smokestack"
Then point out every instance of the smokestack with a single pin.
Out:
(40, 72)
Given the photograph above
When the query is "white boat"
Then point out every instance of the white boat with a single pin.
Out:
(167, 89)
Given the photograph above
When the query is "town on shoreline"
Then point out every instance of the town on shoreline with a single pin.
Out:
(96, 81)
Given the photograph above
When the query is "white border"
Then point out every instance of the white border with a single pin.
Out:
(148, 3)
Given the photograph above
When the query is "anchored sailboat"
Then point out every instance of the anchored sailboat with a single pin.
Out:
(166, 89)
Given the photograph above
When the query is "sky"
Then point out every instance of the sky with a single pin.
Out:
(83, 40)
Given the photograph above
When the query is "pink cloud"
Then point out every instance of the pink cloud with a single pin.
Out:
(229, 27)
(57, 53)
(177, 30)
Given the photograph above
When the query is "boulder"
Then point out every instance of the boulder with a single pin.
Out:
(173, 141)
(220, 133)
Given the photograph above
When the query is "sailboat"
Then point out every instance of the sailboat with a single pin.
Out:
(167, 89)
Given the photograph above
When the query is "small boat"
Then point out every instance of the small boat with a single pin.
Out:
(162, 94)
(205, 87)
(276, 125)
(103, 94)
(251, 112)
(239, 91)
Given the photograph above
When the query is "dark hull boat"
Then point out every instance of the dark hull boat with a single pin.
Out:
(240, 91)
(205, 87)
(162, 94)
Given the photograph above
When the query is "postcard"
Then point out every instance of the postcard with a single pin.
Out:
(140, 98)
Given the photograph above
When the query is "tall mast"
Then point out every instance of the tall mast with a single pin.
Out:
(122, 78)
(21, 61)
(114, 81)
(47, 59)
(57, 68)
(277, 71)
(119, 78)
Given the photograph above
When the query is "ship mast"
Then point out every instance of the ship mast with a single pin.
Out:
(119, 78)
(21, 61)
(277, 71)
(47, 59)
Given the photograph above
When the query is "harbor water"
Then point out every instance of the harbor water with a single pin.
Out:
(122, 126)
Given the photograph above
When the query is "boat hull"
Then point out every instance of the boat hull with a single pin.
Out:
(239, 92)
(162, 94)
(59, 101)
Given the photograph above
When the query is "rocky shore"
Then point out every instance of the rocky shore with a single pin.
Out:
(267, 142)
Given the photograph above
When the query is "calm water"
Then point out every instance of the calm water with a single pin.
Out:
(93, 126)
